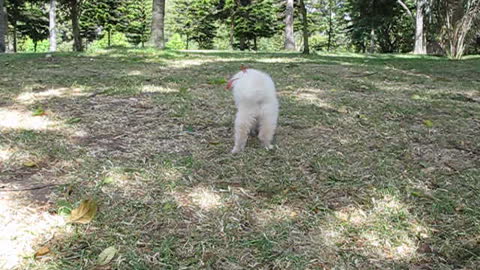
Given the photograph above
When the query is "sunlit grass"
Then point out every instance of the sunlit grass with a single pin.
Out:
(375, 164)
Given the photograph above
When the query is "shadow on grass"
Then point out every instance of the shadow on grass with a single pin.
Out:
(358, 178)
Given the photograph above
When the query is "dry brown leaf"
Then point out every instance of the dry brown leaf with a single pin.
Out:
(84, 213)
(42, 252)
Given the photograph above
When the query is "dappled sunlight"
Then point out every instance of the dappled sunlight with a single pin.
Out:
(28, 98)
(5, 154)
(264, 217)
(280, 60)
(21, 119)
(148, 88)
(386, 229)
(134, 73)
(23, 230)
(202, 197)
(311, 97)
(191, 63)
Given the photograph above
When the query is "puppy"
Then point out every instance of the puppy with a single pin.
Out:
(257, 107)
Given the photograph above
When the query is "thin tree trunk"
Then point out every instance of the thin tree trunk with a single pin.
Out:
(420, 41)
(289, 37)
(371, 49)
(303, 10)
(77, 40)
(3, 26)
(242, 44)
(158, 17)
(330, 26)
(52, 26)
(35, 46)
(232, 27)
(14, 23)
(404, 6)
(255, 48)
(109, 38)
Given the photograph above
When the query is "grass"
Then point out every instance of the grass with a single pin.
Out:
(377, 163)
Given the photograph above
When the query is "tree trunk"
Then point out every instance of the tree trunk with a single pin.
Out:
(109, 38)
(35, 46)
(242, 43)
(459, 27)
(255, 48)
(303, 10)
(14, 24)
(420, 41)
(158, 18)
(289, 37)
(371, 49)
(52, 26)
(330, 26)
(3, 26)
(77, 40)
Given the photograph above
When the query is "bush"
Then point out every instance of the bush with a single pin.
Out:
(176, 42)
(27, 45)
(116, 40)
(318, 42)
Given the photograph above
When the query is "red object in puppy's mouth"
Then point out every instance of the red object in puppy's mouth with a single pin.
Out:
(230, 83)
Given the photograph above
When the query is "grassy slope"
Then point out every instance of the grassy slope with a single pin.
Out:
(377, 165)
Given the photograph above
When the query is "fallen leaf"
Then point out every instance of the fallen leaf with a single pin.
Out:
(106, 256)
(42, 252)
(73, 120)
(428, 123)
(38, 112)
(84, 213)
(30, 164)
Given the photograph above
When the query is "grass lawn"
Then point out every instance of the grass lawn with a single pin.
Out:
(376, 165)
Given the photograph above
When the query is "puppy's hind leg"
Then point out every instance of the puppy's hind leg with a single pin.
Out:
(243, 125)
(268, 124)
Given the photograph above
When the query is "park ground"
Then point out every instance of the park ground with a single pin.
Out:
(376, 164)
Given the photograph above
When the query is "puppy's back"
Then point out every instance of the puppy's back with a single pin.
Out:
(253, 87)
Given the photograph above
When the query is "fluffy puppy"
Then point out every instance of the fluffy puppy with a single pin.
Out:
(257, 107)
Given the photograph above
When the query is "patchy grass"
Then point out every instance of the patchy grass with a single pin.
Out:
(377, 162)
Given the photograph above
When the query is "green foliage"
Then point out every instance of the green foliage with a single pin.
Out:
(27, 45)
(196, 21)
(250, 21)
(318, 42)
(136, 20)
(379, 23)
(175, 42)
(117, 39)
(99, 17)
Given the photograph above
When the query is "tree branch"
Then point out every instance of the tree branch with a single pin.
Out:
(406, 9)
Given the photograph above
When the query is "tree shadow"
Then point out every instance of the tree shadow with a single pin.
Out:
(153, 140)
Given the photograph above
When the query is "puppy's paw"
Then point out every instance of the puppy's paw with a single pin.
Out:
(236, 150)
(269, 147)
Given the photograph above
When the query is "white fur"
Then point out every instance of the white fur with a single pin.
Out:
(257, 107)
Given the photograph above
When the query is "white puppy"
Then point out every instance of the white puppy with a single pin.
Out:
(257, 107)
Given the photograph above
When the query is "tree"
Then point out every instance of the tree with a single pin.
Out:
(379, 25)
(420, 37)
(3, 26)
(34, 23)
(52, 26)
(15, 10)
(158, 18)
(98, 17)
(289, 37)
(458, 18)
(303, 11)
(74, 7)
(250, 21)
(136, 16)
